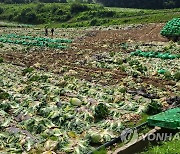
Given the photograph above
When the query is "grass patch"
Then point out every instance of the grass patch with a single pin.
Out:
(102, 151)
(170, 147)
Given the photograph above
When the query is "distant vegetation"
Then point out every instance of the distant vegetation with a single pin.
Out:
(146, 4)
(80, 15)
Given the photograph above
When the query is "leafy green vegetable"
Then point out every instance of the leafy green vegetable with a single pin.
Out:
(3, 95)
(28, 70)
(95, 138)
(75, 101)
(154, 108)
(101, 111)
(1, 60)
(37, 78)
(177, 76)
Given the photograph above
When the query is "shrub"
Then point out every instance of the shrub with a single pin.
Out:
(40, 8)
(28, 16)
(63, 17)
(1, 10)
(31, 17)
(77, 7)
(58, 11)
(93, 22)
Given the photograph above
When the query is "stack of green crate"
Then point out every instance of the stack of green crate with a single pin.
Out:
(172, 28)
(169, 119)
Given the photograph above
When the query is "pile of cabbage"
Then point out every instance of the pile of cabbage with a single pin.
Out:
(172, 28)
(153, 54)
(35, 41)
(44, 112)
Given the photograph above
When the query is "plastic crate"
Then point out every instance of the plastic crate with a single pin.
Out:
(169, 119)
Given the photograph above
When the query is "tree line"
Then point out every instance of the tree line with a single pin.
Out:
(146, 4)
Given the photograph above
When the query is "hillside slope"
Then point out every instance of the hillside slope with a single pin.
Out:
(81, 15)
(151, 4)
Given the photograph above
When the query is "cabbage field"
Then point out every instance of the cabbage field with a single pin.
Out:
(81, 88)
